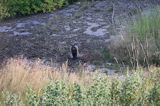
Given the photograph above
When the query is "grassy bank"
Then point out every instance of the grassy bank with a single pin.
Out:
(139, 44)
(32, 84)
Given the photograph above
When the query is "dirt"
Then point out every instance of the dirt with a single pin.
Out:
(49, 36)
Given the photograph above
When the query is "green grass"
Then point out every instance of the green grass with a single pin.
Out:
(147, 26)
(140, 43)
(145, 33)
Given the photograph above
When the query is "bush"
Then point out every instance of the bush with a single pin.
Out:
(99, 92)
(27, 7)
(134, 90)
(137, 89)
(10, 99)
(3, 11)
(131, 90)
(140, 44)
(155, 95)
(55, 94)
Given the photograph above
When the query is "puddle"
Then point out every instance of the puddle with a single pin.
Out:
(15, 33)
(98, 32)
(5, 29)
(101, 5)
(70, 11)
(36, 23)
(29, 23)
(67, 28)
(75, 30)
(20, 25)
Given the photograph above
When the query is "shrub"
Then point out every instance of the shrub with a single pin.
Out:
(3, 11)
(136, 89)
(116, 91)
(131, 87)
(27, 7)
(155, 95)
(56, 93)
(103, 91)
(99, 92)
(10, 99)
(32, 98)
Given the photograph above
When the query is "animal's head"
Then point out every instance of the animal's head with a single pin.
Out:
(74, 44)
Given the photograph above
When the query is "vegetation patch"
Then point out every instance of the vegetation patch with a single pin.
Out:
(11, 8)
(32, 83)
(140, 44)
(3, 11)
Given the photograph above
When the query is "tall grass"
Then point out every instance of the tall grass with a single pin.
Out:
(140, 43)
(28, 83)
(19, 74)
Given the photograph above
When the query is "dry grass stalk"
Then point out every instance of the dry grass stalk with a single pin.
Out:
(20, 73)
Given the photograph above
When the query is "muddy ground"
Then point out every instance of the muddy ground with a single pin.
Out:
(49, 36)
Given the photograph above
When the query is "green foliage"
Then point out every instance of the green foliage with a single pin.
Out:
(116, 91)
(106, 55)
(146, 34)
(3, 11)
(10, 99)
(99, 92)
(147, 27)
(32, 98)
(54, 94)
(27, 7)
(24, 7)
(60, 93)
(155, 95)
(133, 90)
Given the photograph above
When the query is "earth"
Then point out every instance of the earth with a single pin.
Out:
(49, 36)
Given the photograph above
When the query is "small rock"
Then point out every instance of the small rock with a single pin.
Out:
(98, 32)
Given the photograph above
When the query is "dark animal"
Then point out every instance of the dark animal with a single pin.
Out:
(74, 51)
